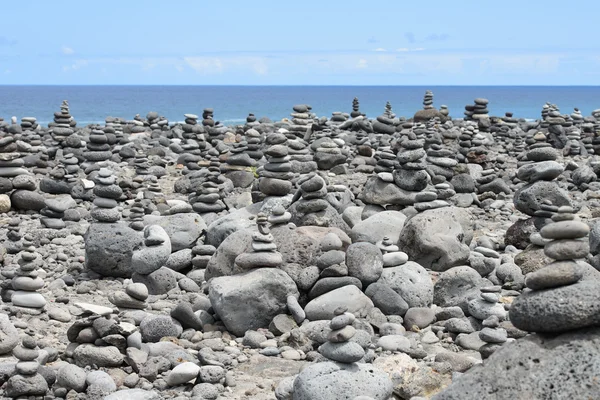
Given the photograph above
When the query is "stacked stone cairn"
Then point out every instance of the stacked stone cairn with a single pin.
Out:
(190, 124)
(338, 347)
(148, 262)
(136, 214)
(328, 155)
(208, 117)
(133, 297)
(386, 162)
(27, 382)
(105, 207)
(556, 128)
(275, 175)
(490, 307)
(29, 124)
(254, 140)
(302, 120)
(356, 109)
(279, 216)
(97, 149)
(13, 234)
(411, 174)
(251, 122)
(312, 191)
(300, 156)
(208, 197)
(588, 138)
(385, 123)
(264, 252)
(26, 282)
(337, 117)
(574, 145)
(141, 163)
(392, 256)
(538, 310)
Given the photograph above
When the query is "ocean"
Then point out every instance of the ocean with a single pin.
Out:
(92, 104)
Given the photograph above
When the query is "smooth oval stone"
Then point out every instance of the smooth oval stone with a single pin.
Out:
(259, 260)
(565, 230)
(26, 283)
(28, 299)
(346, 352)
(342, 335)
(394, 259)
(490, 335)
(560, 273)
(340, 321)
(567, 249)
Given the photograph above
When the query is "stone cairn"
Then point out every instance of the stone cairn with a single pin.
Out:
(133, 297)
(385, 122)
(27, 381)
(428, 100)
(338, 347)
(279, 216)
(136, 214)
(264, 252)
(97, 149)
(190, 124)
(386, 163)
(411, 174)
(356, 109)
(64, 124)
(26, 282)
(208, 117)
(29, 124)
(566, 242)
(275, 175)
(329, 154)
(251, 122)
(207, 199)
(302, 119)
(491, 333)
(13, 234)
(392, 256)
(312, 192)
(337, 117)
(105, 206)
(254, 145)
(588, 138)
(148, 261)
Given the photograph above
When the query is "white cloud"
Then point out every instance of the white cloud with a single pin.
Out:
(362, 64)
(67, 51)
(380, 49)
(209, 65)
(406, 49)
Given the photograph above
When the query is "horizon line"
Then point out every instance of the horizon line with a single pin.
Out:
(292, 85)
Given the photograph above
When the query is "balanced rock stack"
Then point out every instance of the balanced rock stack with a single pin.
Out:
(539, 171)
(276, 174)
(279, 216)
(27, 282)
(356, 109)
(574, 146)
(63, 120)
(385, 123)
(208, 117)
(136, 214)
(392, 256)
(264, 252)
(302, 119)
(538, 310)
(251, 122)
(29, 124)
(190, 124)
(343, 374)
(491, 312)
(386, 162)
(13, 234)
(141, 163)
(588, 138)
(411, 174)
(329, 154)
(313, 191)
(54, 211)
(254, 141)
(148, 261)
(133, 297)
(207, 198)
(338, 347)
(300, 156)
(27, 382)
(105, 207)
(441, 161)
(98, 148)
(429, 111)
(338, 117)
(556, 127)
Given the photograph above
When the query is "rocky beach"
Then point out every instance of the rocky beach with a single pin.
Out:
(449, 254)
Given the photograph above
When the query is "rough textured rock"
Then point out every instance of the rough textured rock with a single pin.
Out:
(411, 281)
(535, 367)
(183, 229)
(326, 381)
(458, 285)
(109, 248)
(374, 228)
(350, 296)
(365, 262)
(528, 199)
(438, 239)
(251, 300)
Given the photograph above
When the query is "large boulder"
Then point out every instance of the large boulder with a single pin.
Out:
(329, 380)
(374, 228)
(426, 115)
(224, 226)
(349, 296)
(299, 246)
(438, 239)
(183, 229)
(558, 309)
(251, 300)
(457, 286)
(365, 262)
(529, 198)
(535, 367)
(411, 281)
(329, 218)
(109, 248)
(377, 191)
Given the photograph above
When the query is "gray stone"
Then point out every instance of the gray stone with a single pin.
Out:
(386, 299)
(88, 354)
(109, 248)
(559, 273)
(541, 310)
(328, 380)
(438, 239)
(344, 352)
(252, 299)
(420, 317)
(183, 229)
(9, 335)
(154, 327)
(529, 198)
(27, 200)
(457, 286)
(182, 373)
(394, 343)
(351, 297)
(535, 367)
(364, 261)
(374, 228)
(411, 281)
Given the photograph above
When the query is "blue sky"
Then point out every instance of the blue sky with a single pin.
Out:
(468, 42)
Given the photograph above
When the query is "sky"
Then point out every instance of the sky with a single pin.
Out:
(280, 42)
